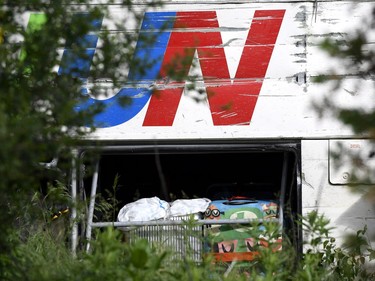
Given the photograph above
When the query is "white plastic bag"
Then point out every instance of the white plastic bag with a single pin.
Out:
(183, 207)
(144, 209)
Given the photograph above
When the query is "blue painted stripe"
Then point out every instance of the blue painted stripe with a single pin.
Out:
(149, 54)
(153, 40)
(75, 64)
(71, 64)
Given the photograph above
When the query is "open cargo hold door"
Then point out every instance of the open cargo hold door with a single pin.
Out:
(265, 172)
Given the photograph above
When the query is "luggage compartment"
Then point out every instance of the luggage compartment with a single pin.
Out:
(268, 172)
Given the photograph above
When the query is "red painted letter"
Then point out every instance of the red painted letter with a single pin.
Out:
(231, 102)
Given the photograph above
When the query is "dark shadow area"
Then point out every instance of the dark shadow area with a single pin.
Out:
(215, 171)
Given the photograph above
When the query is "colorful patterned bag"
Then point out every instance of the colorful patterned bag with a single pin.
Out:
(229, 242)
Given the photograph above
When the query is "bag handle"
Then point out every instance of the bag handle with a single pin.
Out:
(240, 200)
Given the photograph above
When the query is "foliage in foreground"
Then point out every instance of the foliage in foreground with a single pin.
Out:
(40, 122)
(35, 122)
(43, 257)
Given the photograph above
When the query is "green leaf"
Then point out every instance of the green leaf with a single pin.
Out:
(139, 258)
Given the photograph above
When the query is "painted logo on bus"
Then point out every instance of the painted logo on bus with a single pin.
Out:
(231, 100)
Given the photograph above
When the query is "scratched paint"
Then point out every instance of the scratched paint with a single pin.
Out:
(231, 103)
(253, 64)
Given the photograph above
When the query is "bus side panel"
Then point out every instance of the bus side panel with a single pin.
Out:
(348, 211)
